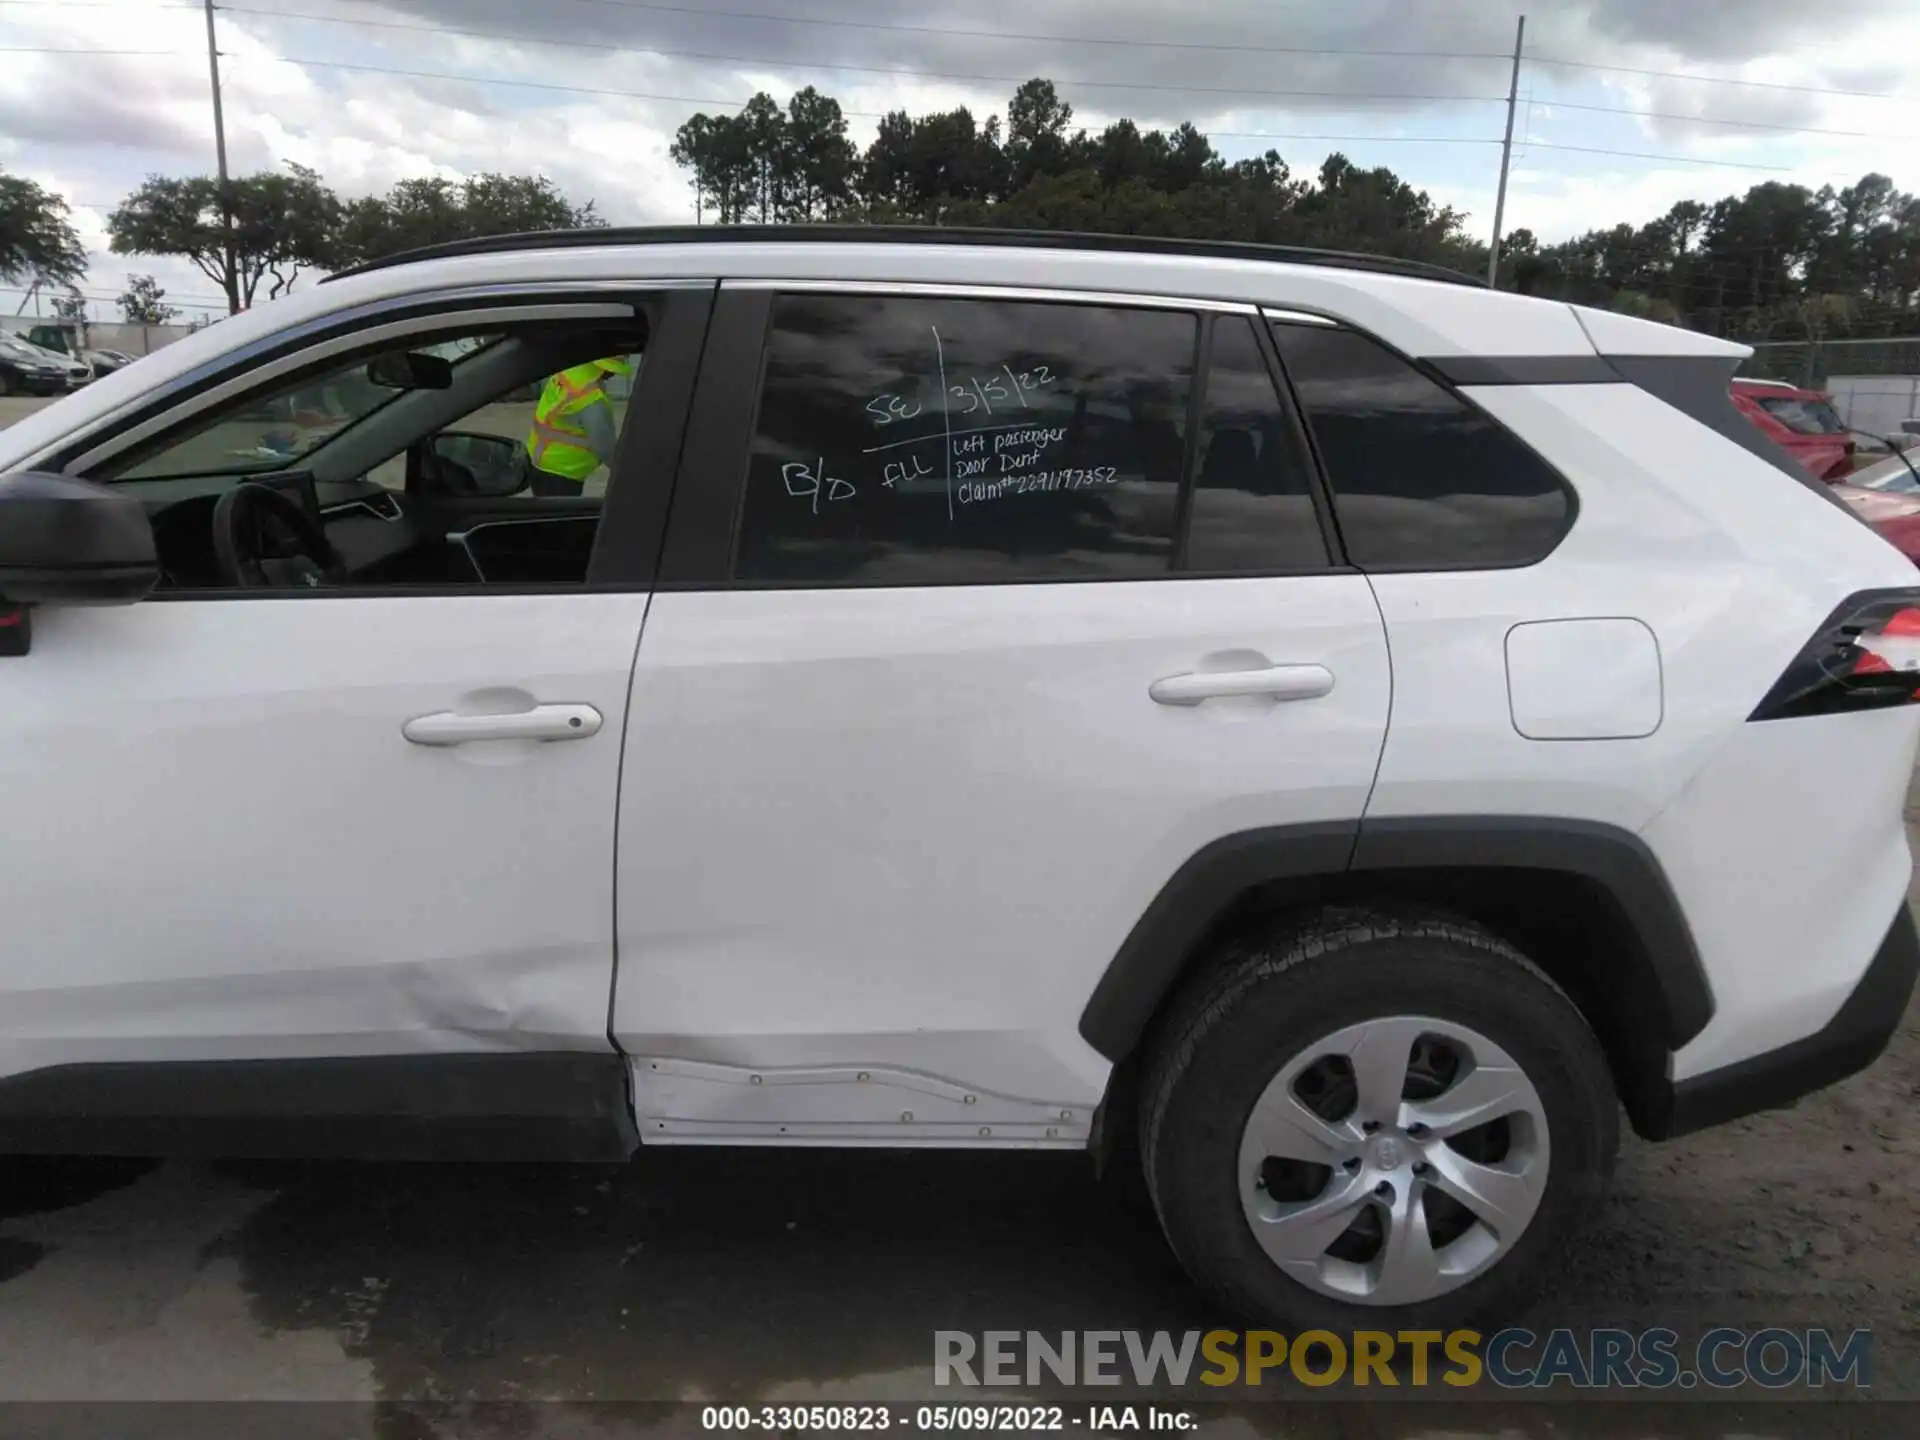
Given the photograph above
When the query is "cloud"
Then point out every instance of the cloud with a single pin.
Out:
(1242, 70)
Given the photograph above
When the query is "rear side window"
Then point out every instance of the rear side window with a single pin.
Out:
(904, 440)
(1252, 499)
(1421, 480)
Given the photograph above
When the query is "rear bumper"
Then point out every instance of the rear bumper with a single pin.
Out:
(1847, 1044)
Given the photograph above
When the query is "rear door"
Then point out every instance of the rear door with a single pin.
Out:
(980, 613)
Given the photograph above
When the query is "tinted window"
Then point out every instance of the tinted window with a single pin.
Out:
(907, 441)
(1420, 478)
(1252, 503)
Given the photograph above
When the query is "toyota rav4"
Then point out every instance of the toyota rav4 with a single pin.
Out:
(1325, 732)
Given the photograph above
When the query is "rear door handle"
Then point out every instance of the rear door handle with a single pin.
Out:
(1276, 682)
(542, 722)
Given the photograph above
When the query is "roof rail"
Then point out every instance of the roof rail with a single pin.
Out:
(915, 235)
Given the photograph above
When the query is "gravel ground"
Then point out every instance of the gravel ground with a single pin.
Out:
(18, 407)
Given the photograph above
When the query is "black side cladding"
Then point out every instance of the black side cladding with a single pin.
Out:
(568, 1106)
(1699, 386)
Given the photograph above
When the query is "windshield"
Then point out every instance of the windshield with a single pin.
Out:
(1803, 416)
(21, 350)
(280, 428)
(1892, 474)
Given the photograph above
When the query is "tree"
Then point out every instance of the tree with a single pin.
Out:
(434, 210)
(1647, 307)
(143, 302)
(886, 170)
(1775, 262)
(817, 159)
(70, 307)
(1038, 134)
(270, 224)
(1180, 160)
(715, 149)
(920, 167)
(37, 241)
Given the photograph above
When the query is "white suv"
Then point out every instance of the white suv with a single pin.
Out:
(1349, 728)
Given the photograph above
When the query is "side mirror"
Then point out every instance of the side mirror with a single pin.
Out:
(68, 542)
(496, 465)
(410, 370)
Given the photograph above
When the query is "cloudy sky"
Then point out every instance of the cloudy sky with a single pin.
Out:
(1828, 91)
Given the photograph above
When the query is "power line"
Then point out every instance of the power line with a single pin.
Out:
(876, 115)
(1128, 43)
(82, 50)
(706, 13)
(960, 76)
(1018, 79)
(1677, 159)
(652, 5)
(858, 69)
(1704, 79)
(858, 114)
(1713, 120)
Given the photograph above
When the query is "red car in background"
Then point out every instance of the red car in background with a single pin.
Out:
(1805, 425)
(1801, 422)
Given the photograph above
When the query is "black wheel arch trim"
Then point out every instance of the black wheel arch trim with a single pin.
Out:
(1201, 892)
(1852, 1040)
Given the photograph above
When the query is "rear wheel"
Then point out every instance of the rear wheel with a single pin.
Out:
(1375, 1120)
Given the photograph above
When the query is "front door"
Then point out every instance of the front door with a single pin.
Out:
(372, 816)
(1027, 601)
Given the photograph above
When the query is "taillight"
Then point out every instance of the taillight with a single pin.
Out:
(1865, 657)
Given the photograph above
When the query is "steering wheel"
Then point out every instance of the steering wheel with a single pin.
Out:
(263, 538)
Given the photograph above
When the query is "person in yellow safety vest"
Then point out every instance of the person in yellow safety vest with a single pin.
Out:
(574, 429)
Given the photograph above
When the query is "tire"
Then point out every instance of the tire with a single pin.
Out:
(6, 384)
(1382, 980)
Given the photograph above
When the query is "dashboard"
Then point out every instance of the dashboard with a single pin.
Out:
(385, 537)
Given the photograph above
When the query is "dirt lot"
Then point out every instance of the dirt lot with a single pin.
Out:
(18, 407)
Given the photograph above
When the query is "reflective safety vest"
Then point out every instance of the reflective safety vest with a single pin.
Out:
(557, 444)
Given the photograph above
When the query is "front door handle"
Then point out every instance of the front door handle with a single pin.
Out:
(542, 722)
(1275, 682)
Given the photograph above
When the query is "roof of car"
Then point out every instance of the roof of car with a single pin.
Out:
(917, 235)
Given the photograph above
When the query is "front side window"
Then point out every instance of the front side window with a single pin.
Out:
(471, 457)
(1421, 479)
(280, 427)
(905, 440)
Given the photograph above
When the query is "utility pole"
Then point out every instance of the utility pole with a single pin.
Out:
(220, 153)
(1506, 149)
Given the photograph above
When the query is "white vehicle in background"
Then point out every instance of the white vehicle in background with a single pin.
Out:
(1353, 733)
(1898, 474)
